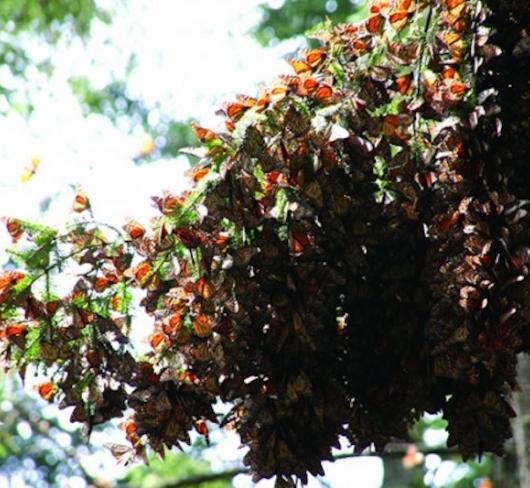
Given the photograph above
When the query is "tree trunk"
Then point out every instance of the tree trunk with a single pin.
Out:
(521, 423)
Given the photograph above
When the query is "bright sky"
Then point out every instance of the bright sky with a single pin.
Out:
(191, 55)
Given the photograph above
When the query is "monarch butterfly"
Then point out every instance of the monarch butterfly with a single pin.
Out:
(403, 83)
(310, 85)
(451, 4)
(449, 221)
(134, 229)
(235, 110)
(169, 203)
(172, 324)
(126, 454)
(399, 19)
(374, 24)
(14, 330)
(147, 147)
(198, 172)
(190, 238)
(10, 279)
(299, 66)
(204, 135)
(46, 390)
(359, 45)
(405, 5)
(202, 326)
(202, 428)
(14, 228)
(299, 242)
(101, 284)
(158, 340)
(29, 171)
(141, 271)
(324, 94)
(81, 201)
(278, 93)
(249, 102)
(314, 57)
(203, 288)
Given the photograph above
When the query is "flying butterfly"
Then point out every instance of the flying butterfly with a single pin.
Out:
(30, 170)
(147, 147)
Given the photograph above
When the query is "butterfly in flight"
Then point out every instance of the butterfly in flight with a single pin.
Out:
(30, 169)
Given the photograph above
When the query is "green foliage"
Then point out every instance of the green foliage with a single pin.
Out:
(295, 17)
(46, 22)
(50, 17)
(114, 101)
(173, 468)
(29, 444)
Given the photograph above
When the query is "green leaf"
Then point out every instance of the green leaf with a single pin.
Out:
(281, 206)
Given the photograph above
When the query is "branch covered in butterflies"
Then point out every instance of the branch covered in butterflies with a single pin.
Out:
(353, 253)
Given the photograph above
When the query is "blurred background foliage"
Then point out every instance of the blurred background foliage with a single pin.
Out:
(38, 449)
(168, 472)
(35, 448)
(285, 19)
(42, 22)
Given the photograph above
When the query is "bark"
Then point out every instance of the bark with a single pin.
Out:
(521, 424)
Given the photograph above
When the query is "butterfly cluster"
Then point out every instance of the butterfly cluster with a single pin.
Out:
(353, 253)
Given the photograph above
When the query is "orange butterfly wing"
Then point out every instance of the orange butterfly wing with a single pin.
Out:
(324, 94)
(299, 66)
